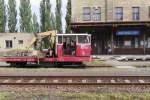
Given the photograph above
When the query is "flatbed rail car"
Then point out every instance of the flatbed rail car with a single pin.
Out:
(68, 49)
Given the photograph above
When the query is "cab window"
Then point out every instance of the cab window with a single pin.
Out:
(59, 39)
(83, 39)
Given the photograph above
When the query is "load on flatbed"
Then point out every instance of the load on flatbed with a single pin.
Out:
(51, 47)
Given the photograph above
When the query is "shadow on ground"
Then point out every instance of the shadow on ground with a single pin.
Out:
(46, 66)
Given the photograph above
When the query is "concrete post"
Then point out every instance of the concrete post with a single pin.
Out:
(144, 48)
(112, 40)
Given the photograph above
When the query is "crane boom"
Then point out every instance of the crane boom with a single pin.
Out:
(50, 34)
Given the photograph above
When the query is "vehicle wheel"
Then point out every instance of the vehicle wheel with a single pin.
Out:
(13, 64)
(21, 64)
(58, 64)
(80, 64)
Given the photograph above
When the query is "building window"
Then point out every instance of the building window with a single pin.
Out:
(119, 13)
(96, 13)
(135, 13)
(149, 11)
(20, 41)
(86, 13)
(8, 43)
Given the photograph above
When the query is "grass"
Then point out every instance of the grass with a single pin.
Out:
(104, 96)
(24, 96)
(37, 95)
(96, 63)
(3, 95)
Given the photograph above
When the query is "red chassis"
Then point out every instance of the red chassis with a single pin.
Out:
(50, 60)
(23, 61)
(82, 56)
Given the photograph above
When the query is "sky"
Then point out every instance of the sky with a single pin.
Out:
(35, 5)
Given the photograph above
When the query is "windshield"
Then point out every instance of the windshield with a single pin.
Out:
(83, 39)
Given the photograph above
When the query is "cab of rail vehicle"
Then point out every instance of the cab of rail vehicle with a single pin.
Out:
(73, 45)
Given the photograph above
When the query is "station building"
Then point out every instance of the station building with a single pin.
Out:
(9, 41)
(117, 26)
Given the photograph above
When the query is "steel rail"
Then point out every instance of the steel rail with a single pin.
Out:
(74, 80)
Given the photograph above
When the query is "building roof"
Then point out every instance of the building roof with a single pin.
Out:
(15, 34)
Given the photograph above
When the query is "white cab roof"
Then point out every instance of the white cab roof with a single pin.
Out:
(77, 34)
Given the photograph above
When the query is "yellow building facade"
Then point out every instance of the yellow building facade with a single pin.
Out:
(117, 26)
(108, 9)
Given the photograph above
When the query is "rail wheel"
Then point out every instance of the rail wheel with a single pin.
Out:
(79, 64)
(18, 64)
(12, 64)
(58, 64)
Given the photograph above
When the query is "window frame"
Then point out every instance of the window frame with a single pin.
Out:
(119, 14)
(83, 39)
(20, 42)
(8, 44)
(59, 39)
(96, 15)
(85, 14)
(149, 12)
(136, 15)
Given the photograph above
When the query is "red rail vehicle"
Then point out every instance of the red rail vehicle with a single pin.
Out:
(65, 49)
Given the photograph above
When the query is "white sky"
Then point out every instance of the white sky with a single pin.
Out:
(35, 4)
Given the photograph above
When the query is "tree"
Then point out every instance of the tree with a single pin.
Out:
(42, 15)
(48, 25)
(68, 17)
(12, 16)
(53, 21)
(58, 16)
(35, 24)
(25, 16)
(47, 19)
(46, 16)
(2, 16)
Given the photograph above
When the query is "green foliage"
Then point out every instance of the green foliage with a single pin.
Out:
(24, 95)
(48, 25)
(53, 21)
(104, 96)
(12, 16)
(3, 95)
(45, 95)
(35, 24)
(68, 17)
(47, 19)
(42, 15)
(25, 15)
(58, 16)
(46, 15)
(96, 63)
(2, 16)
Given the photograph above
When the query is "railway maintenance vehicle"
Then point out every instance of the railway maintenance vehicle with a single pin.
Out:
(53, 48)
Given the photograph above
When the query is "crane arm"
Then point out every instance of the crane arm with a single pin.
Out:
(32, 42)
(41, 35)
(48, 33)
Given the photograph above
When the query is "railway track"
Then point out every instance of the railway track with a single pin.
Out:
(74, 80)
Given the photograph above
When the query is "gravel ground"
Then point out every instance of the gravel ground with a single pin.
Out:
(75, 72)
(127, 63)
(78, 88)
(96, 71)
